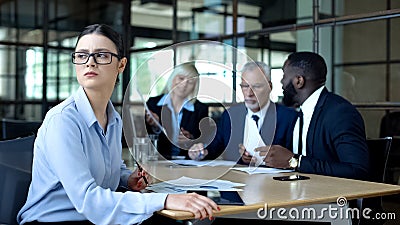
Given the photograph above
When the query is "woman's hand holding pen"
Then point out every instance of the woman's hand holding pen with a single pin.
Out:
(136, 180)
(197, 152)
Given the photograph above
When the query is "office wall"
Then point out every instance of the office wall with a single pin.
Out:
(367, 52)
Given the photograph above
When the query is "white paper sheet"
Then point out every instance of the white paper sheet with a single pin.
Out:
(183, 184)
(254, 141)
(259, 170)
(186, 162)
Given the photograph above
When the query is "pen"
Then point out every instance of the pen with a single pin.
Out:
(140, 170)
(200, 156)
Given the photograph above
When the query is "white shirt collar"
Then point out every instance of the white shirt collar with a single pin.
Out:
(261, 113)
(83, 106)
(309, 104)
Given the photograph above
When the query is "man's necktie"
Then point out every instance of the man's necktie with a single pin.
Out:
(300, 145)
(255, 118)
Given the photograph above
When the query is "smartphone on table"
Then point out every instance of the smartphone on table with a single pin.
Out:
(291, 177)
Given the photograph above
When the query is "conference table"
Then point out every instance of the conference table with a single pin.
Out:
(262, 191)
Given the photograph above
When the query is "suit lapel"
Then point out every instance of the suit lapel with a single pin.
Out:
(237, 115)
(267, 130)
(313, 123)
(166, 118)
(238, 121)
(185, 119)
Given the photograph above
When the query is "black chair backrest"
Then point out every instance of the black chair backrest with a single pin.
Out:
(16, 157)
(18, 128)
(379, 149)
(390, 125)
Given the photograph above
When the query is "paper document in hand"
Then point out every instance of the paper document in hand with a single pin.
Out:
(258, 170)
(254, 141)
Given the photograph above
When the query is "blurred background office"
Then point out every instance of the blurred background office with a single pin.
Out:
(359, 39)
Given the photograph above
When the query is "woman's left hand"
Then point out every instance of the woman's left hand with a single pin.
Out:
(136, 181)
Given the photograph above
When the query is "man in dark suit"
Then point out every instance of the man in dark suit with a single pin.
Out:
(329, 139)
(274, 122)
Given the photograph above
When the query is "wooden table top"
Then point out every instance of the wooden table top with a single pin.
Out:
(262, 188)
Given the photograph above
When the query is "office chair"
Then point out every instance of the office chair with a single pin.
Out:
(393, 175)
(390, 127)
(379, 150)
(16, 157)
(18, 128)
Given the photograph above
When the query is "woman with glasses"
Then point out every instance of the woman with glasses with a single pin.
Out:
(178, 111)
(77, 165)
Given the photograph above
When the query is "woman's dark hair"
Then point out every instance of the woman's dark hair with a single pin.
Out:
(108, 32)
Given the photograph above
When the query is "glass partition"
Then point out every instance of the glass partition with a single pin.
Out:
(394, 82)
(61, 78)
(7, 72)
(361, 83)
(21, 21)
(359, 37)
(350, 7)
(394, 38)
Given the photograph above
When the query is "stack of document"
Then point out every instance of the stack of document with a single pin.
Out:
(184, 184)
(185, 162)
(259, 170)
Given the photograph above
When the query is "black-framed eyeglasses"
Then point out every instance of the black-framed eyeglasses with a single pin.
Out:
(253, 87)
(101, 58)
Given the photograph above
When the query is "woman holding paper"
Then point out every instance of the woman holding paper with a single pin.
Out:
(78, 166)
(178, 111)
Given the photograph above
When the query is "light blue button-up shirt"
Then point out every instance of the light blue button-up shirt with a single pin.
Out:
(77, 168)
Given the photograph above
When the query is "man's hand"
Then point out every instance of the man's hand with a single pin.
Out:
(202, 207)
(198, 152)
(246, 157)
(276, 156)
